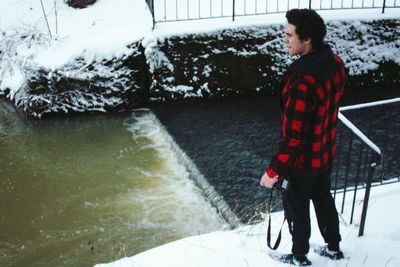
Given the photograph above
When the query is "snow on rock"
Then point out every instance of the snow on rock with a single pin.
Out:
(106, 57)
(91, 62)
(249, 60)
(216, 64)
(83, 86)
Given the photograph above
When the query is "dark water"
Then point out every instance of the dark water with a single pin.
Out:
(232, 141)
(381, 124)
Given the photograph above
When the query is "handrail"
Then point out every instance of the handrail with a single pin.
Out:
(360, 134)
(370, 104)
(370, 162)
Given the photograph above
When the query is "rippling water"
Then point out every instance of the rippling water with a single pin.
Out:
(88, 189)
(83, 190)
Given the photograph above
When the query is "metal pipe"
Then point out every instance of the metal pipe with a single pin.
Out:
(150, 4)
(199, 10)
(255, 8)
(356, 182)
(347, 171)
(366, 199)
(176, 9)
(233, 10)
(152, 13)
(338, 164)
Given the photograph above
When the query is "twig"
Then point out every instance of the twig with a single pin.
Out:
(45, 17)
(388, 261)
(55, 13)
(366, 257)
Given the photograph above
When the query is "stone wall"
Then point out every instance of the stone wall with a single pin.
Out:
(249, 61)
(230, 63)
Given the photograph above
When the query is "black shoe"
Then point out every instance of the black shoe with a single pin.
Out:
(326, 252)
(297, 260)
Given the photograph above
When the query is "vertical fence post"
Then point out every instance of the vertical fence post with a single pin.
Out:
(150, 4)
(309, 5)
(356, 182)
(366, 199)
(176, 9)
(383, 6)
(346, 177)
(233, 10)
(338, 163)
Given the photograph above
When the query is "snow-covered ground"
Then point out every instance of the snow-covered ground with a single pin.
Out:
(103, 31)
(247, 246)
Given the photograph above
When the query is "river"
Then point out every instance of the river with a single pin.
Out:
(86, 189)
(80, 190)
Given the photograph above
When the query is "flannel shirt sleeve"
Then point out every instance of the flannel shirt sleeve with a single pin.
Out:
(298, 107)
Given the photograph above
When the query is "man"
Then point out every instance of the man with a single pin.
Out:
(310, 92)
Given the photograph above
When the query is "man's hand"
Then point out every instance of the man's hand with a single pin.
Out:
(267, 181)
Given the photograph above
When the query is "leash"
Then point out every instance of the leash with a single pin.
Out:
(278, 239)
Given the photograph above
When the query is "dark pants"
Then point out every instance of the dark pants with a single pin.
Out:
(296, 202)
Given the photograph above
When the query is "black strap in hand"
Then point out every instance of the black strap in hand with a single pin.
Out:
(278, 239)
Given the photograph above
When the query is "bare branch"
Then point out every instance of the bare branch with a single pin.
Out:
(45, 17)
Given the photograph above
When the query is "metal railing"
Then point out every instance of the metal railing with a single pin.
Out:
(356, 163)
(181, 10)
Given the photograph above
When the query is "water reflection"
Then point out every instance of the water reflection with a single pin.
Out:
(88, 189)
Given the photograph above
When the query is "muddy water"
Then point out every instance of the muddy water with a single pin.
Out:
(88, 189)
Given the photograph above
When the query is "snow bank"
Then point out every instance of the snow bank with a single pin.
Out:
(247, 246)
(101, 32)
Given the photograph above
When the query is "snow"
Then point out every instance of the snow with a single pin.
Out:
(105, 29)
(359, 133)
(101, 30)
(247, 246)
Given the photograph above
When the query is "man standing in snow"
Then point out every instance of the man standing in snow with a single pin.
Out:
(309, 97)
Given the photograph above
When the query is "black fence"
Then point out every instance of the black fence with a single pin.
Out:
(181, 10)
(360, 163)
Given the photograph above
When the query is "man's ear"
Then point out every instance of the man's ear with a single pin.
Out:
(307, 40)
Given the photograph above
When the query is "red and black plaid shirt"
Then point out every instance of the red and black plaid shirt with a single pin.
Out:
(309, 118)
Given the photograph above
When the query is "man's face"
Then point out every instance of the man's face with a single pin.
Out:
(294, 44)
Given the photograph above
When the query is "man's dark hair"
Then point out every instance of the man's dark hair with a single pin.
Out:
(308, 25)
